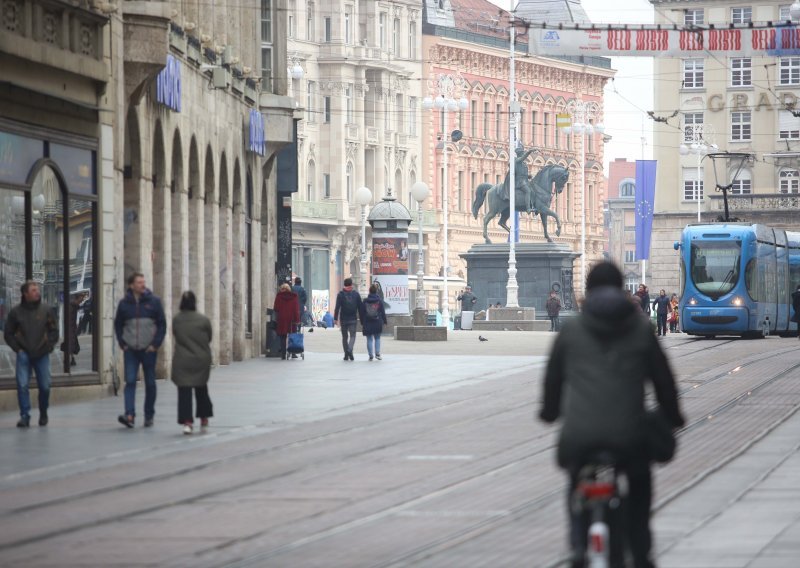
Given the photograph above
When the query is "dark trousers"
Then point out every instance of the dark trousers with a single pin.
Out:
(555, 324)
(147, 359)
(204, 407)
(662, 323)
(633, 518)
(348, 336)
(283, 339)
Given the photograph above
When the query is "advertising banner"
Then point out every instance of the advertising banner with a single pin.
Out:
(320, 303)
(390, 270)
(651, 41)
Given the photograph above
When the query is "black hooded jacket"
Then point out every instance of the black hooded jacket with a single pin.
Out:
(596, 375)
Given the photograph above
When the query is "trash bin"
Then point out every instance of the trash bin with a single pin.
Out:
(457, 322)
(466, 320)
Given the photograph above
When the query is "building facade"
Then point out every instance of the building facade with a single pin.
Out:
(140, 136)
(621, 220)
(466, 41)
(739, 104)
(359, 81)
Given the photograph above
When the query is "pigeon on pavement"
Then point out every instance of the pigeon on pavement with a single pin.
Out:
(482, 338)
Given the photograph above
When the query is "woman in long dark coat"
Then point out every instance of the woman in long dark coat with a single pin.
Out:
(191, 363)
(373, 318)
(287, 310)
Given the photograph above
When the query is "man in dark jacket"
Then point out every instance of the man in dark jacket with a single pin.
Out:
(140, 326)
(595, 382)
(467, 299)
(553, 307)
(345, 315)
(302, 297)
(31, 331)
(644, 298)
(661, 306)
(796, 307)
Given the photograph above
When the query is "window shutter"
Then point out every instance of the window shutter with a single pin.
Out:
(787, 122)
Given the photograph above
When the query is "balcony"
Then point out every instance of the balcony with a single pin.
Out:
(319, 210)
(758, 202)
(351, 132)
(372, 136)
(429, 218)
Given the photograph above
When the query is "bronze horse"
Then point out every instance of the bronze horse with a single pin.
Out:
(550, 180)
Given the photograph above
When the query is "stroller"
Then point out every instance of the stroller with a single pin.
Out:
(295, 343)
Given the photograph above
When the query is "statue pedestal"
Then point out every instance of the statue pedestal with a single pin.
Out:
(541, 267)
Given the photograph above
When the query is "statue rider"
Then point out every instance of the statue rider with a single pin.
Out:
(520, 180)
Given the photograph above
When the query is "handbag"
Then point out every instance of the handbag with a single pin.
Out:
(661, 442)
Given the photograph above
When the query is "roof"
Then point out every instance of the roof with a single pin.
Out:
(481, 16)
(552, 11)
(389, 210)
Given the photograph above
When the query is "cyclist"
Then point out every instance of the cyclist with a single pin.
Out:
(595, 382)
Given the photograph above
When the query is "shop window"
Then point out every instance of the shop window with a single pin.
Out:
(12, 264)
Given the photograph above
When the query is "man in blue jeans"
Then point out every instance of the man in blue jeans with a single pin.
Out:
(31, 331)
(140, 327)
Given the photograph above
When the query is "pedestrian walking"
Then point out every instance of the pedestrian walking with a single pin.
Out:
(796, 306)
(673, 317)
(140, 326)
(661, 306)
(345, 315)
(31, 331)
(644, 299)
(287, 309)
(553, 307)
(595, 383)
(302, 297)
(191, 362)
(373, 318)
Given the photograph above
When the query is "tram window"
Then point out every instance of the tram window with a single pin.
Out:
(715, 266)
(683, 277)
(751, 279)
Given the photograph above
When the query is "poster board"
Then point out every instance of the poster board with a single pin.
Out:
(390, 270)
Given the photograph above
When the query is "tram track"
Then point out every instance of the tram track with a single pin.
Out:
(486, 525)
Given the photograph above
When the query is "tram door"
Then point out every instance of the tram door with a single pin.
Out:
(782, 277)
(771, 283)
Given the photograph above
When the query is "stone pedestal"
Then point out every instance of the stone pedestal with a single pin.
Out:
(420, 333)
(541, 267)
(395, 320)
(420, 316)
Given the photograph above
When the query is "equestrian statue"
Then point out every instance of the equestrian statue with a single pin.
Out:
(531, 196)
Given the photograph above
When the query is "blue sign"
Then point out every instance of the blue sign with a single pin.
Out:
(257, 143)
(168, 85)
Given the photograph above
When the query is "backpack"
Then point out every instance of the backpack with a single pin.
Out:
(372, 310)
(349, 305)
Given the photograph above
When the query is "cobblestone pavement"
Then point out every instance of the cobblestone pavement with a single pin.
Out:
(431, 457)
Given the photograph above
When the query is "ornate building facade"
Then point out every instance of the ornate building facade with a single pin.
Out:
(466, 41)
(358, 78)
(132, 139)
(739, 104)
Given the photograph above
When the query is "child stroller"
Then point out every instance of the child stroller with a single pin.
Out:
(294, 342)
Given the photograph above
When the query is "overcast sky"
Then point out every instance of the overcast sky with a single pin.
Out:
(632, 86)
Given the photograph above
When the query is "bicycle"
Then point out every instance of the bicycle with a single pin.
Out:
(596, 500)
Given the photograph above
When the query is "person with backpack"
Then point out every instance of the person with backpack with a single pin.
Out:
(345, 315)
(373, 318)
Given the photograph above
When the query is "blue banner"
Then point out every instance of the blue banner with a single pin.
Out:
(257, 142)
(645, 200)
(516, 228)
(168, 84)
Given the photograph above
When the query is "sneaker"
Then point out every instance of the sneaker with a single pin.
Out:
(187, 429)
(204, 423)
(378, 357)
(24, 422)
(126, 421)
(148, 422)
(370, 357)
(43, 418)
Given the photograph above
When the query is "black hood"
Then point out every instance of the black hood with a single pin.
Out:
(608, 310)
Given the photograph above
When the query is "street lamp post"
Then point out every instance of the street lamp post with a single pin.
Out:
(696, 135)
(512, 287)
(583, 113)
(420, 192)
(446, 86)
(363, 198)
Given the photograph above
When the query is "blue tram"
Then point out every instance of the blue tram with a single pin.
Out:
(737, 279)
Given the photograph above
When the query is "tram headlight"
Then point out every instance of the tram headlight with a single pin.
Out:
(737, 301)
(692, 302)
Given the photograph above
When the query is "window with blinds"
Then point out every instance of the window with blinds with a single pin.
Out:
(788, 126)
(692, 184)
